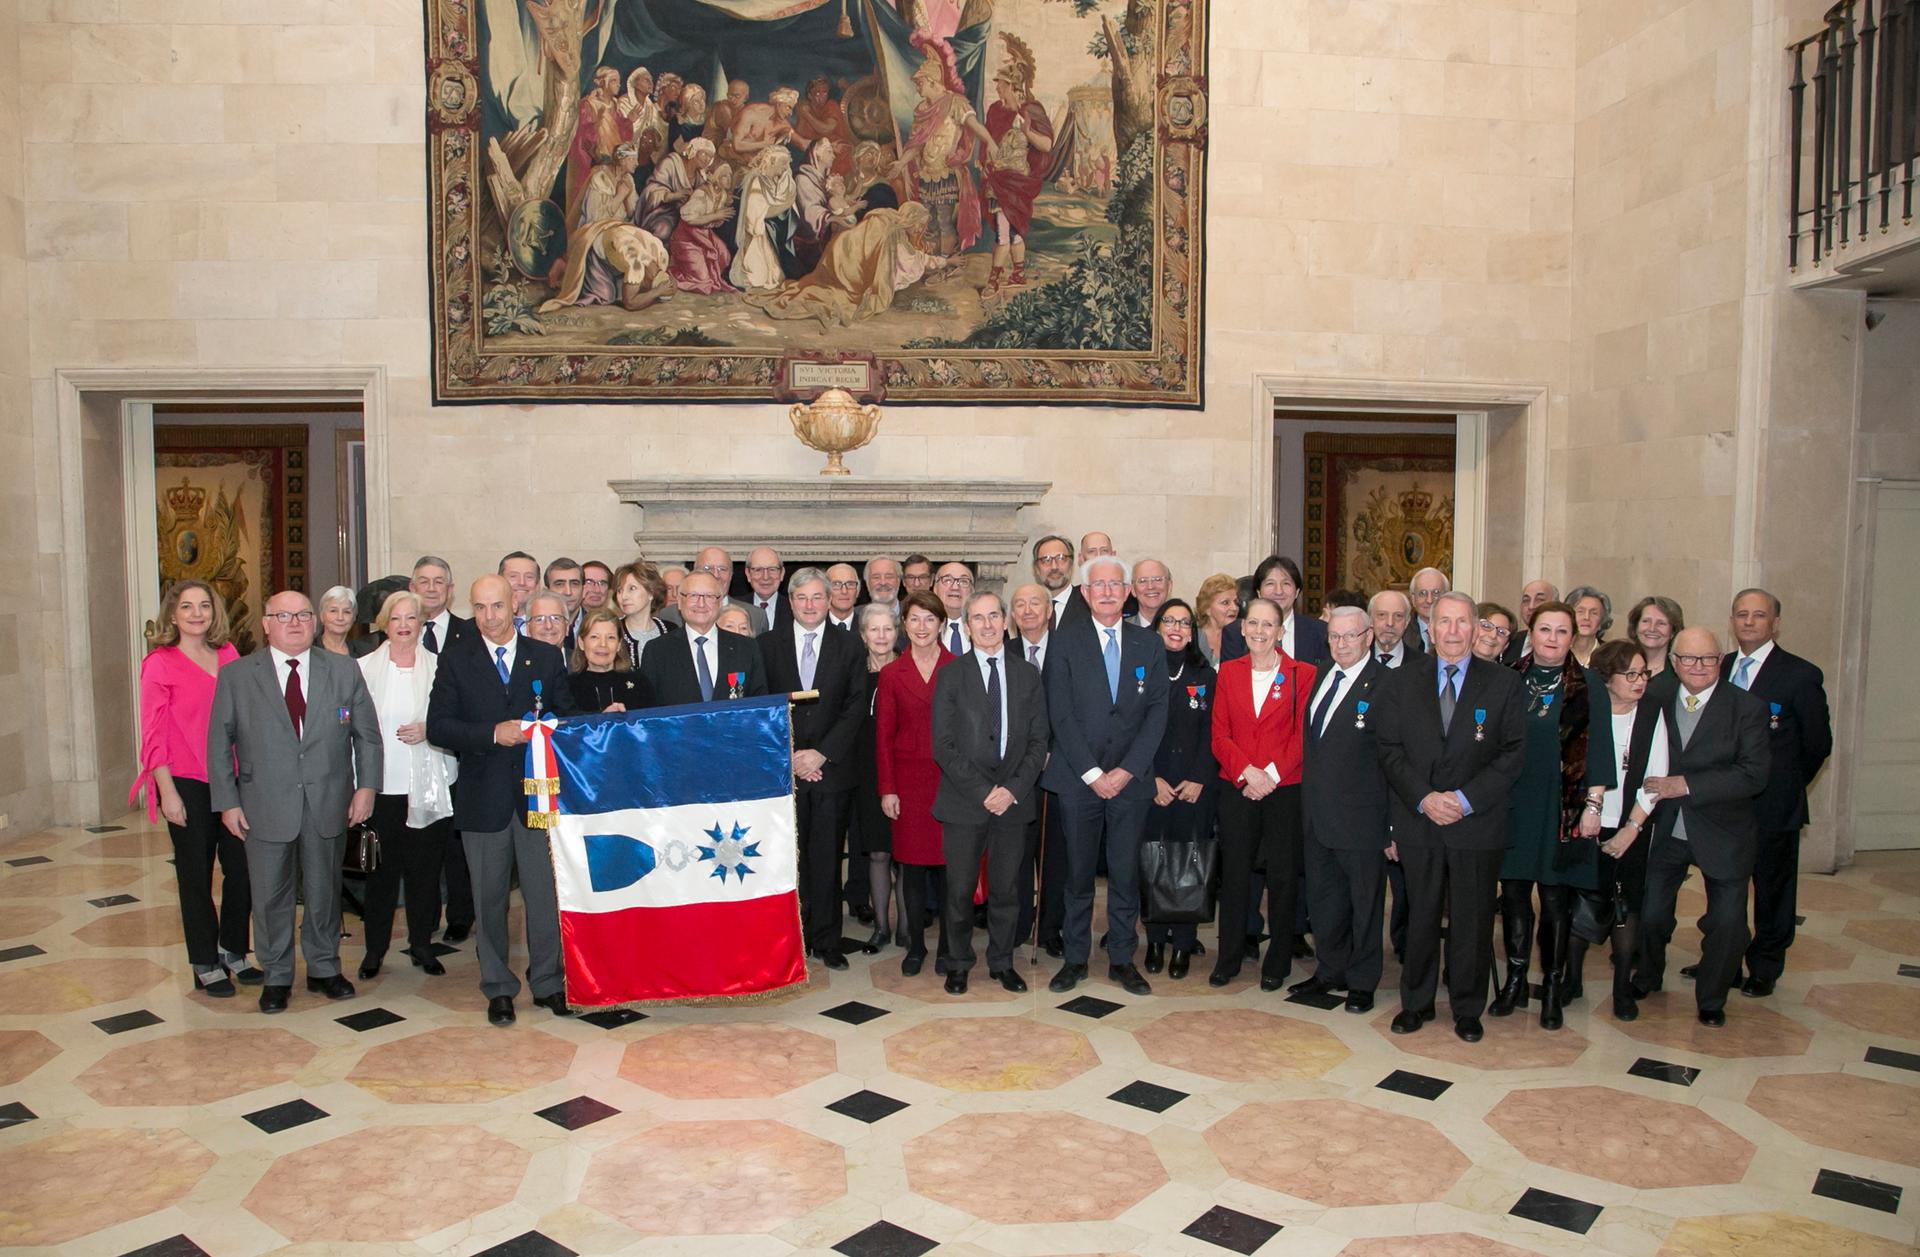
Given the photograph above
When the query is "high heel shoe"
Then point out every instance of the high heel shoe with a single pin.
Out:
(876, 941)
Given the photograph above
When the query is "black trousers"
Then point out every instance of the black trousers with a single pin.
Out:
(1346, 895)
(1458, 886)
(1776, 886)
(1397, 917)
(1268, 834)
(1095, 827)
(821, 816)
(409, 857)
(459, 880)
(1723, 930)
(923, 898)
(196, 845)
(1004, 842)
(1047, 855)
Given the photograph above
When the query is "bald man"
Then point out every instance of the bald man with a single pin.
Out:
(1532, 594)
(714, 561)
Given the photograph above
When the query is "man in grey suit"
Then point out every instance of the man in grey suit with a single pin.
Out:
(990, 740)
(717, 563)
(291, 728)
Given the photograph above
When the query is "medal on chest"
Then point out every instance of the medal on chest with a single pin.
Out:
(733, 683)
(1773, 717)
(1360, 714)
(1479, 724)
(1140, 680)
(1278, 682)
(1197, 697)
(1546, 705)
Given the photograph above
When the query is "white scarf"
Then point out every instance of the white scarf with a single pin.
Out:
(429, 797)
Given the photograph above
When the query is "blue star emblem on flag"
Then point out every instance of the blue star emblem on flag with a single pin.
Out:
(730, 851)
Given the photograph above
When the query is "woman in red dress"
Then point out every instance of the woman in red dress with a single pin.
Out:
(903, 756)
(1022, 151)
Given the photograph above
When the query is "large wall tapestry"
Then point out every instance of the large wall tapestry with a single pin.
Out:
(1378, 509)
(232, 506)
(928, 200)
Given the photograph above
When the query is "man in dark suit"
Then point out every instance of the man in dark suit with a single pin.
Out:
(1452, 738)
(1392, 612)
(1427, 585)
(1800, 735)
(1107, 706)
(717, 563)
(702, 664)
(433, 584)
(1277, 579)
(1346, 815)
(953, 585)
(803, 652)
(765, 571)
(1717, 759)
(1532, 595)
(483, 687)
(990, 740)
(1046, 854)
(1053, 569)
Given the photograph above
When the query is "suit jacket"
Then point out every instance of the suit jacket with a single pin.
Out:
(831, 723)
(286, 785)
(1346, 789)
(667, 665)
(1419, 758)
(971, 764)
(782, 613)
(1309, 641)
(1799, 734)
(1725, 765)
(468, 700)
(1242, 740)
(1092, 729)
(755, 616)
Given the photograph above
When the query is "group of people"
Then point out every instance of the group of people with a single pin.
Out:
(1457, 757)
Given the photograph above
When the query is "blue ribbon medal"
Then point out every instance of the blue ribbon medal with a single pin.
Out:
(1479, 724)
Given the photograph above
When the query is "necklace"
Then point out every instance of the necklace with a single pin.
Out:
(1539, 694)
(1182, 672)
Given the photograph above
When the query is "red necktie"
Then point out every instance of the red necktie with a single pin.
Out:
(296, 701)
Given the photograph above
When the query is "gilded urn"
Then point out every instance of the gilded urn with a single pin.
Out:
(834, 423)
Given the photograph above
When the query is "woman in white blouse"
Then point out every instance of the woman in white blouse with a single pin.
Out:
(413, 803)
(1625, 746)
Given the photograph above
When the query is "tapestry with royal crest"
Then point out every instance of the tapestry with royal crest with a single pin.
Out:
(232, 512)
(1378, 509)
(922, 200)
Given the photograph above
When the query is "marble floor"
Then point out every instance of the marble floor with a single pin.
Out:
(874, 1115)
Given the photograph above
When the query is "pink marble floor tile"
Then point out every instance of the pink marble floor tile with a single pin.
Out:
(52, 881)
(714, 1178)
(1900, 881)
(1876, 1007)
(136, 927)
(1671, 1019)
(1241, 1045)
(462, 1065)
(198, 1067)
(1817, 893)
(1773, 1235)
(135, 844)
(1866, 1116)
(990, 1054)
(1515, 1042)
(387, 1184)
(1621, 1137)
(728, 1061)
(69, 1185)
(1446, 1244)
(22, 1052)
(64, 986)
(1899, 935)
(1019, 1168)
(1337, 1153)
(929, 986)
(20, 920)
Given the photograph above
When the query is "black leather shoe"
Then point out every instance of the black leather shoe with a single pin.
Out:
(1220, 977)
(456, 934)
(1054, 946)
(248, 975)
(1756, 988)
(1068, 978)
(1271, 984)
(835, 959)
(1302, 949)
(1359, 1001)
(1625, 1009)
(1177, 967)
(911, 962)
(1010, 980)
(1689, 972)
(1408, 1020)
(1156, 955)
(863, 914)
(220, 988)
(428, 963)
(1131, 980)
(273, 999)
(500, 1010)
(957, 982)
(1314, 986)
(555, 1003)
(1642, 989)
(875, 941)
(335, 987)
(369, 969)
(1715, 1017)
(1469, 1029)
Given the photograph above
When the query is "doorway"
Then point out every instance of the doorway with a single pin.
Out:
(1886, 787)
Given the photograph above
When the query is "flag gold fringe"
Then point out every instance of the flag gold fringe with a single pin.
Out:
(540, 820)
(534, 785)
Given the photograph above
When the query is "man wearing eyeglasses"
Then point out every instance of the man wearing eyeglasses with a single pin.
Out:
(1152, 585)
(717, 563)
(1718, 760)
(1053, 569)
(953, 584)
(765, 571)
(596, 586)
(291, 730)
(843, 596)
(702, 664)
(548, 620)
(1427, 584)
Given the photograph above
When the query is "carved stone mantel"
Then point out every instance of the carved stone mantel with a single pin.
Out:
(813, 519)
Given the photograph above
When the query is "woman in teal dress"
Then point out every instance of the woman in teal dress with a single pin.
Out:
(1546, 851)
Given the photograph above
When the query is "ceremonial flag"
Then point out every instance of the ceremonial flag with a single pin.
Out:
(674, 853)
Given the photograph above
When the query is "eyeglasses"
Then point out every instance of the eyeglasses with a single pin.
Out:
(1151, 580)
(1354, 636)
(1488, 626)
(1635, 674)
(596, 584)
(1053, 560)
(548, 618)
(716, 569)
(1697, 661)
(764, 571)
(685, 596)
(1171, 622)
(290, 617)
(843, 584)
(955, 582)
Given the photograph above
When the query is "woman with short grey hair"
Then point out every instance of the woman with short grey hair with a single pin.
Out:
(335, 610)
(1592, 617)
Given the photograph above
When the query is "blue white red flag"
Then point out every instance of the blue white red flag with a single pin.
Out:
(674, 853)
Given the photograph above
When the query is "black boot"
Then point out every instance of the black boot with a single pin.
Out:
(1513, 991)
(1516, 928)
(1626, 1006)
(1573, 988)
(1156, 955)
(1554, 953)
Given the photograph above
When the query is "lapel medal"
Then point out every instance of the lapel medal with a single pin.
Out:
(1773, 717)
(1479, 724)
(1360, 714)
(1140, 680)
(1193, 697)
(1278, 681)
(733, 684)
(345, 715)
(1546, 704)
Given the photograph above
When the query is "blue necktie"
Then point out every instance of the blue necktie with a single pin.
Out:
(500, 663)
(1113, 664)
(432, 645)
(953, 637)
(706, 673)
(1742, 671)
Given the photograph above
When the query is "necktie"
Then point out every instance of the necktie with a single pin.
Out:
(1448, 697)
(296, 701)
(500, 664)
(807, 662)
(953, 637)
(706, 673)
(1386, 661)
(1693, 702)
(1112, 654)
(519, 623)
(993, 705)
(1742, 672)
(1033, 654)
(432, 642)
(1326, 704)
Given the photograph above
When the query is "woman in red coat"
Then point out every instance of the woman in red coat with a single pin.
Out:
(1259, 722)
(903, 757)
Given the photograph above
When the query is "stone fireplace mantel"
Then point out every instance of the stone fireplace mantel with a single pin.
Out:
(812, 519)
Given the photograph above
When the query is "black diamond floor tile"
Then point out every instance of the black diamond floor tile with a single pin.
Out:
(444, 949)
(577, 1112)
(14, 1114)
(128, 1021)
(867, 1106)
(286, 1116)
(112, 901)
(1091, 1006)
(106, 829)
(612, 1018)
(1419, 1086)
(1889, 1057)
(529, 1244)
(854, 1013)
(1232, 1230)
(370, 1019)
(884, 1239)
(1799, 920)
(1318, 999)
(21, 953)
(177, 1246)
(1910, 971)
(1549, 1209)
(1663, 1071)
(1868, 1193)
(1149, 1096)
(25, 860)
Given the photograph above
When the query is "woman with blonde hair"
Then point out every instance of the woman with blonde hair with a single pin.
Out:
(1215, 606)
(602, 677)
(187, 645)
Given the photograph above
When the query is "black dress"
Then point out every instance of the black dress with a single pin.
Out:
(1185, 754)
(869, 832)
(596, 691)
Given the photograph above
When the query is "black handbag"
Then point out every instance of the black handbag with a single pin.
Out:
(1597, 913)
(362, 855)
(1177, 877)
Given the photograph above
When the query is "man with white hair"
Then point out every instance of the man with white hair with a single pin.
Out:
(1428, 584)
(714, 561)
(1152, 585)
(1391, 611)
(883, 581)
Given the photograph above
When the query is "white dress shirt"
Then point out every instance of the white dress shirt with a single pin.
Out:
(999, 656)
(800, 632)
(1338, 684)
(1060, 605)
(1759, 658)
(442, 625)
(280, 671)
(1286, 636)
(946, 635)
(1035, 653)
(711, 649)
(1396, 656)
